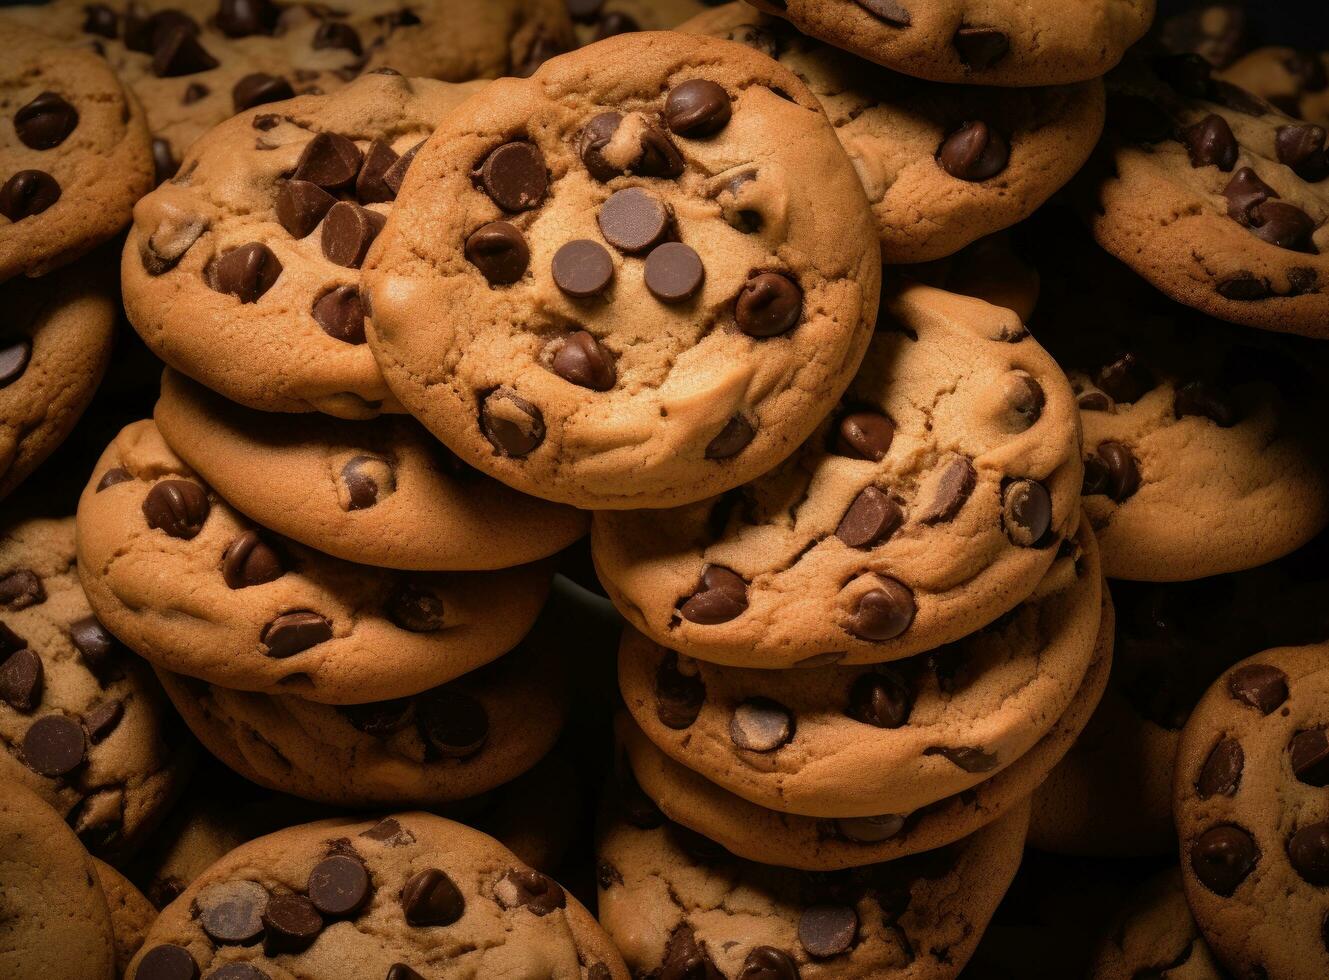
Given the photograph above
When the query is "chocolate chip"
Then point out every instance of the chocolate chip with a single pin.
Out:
(416, 608)
(339, 886)
(341, 314)
(1024, 400)
(721, 595)
(1026, 512)
(390, 831)
(54, 746)
(454, 724)
(112, 477)
(10, 642)
(301, 205)
(249, 560)
(767, 962)
(1210, 143)
(231, 912)
(686, 959)
(45, 122)
(1244, 287)
(1259, 686)
(367, 480)
(965, 757)
(974, 152)
(1301, 147)
(828, 930)
(761, 725)
(513, 426)
(678, 696)
(674, 272)
(338, 36)
(101, 20)
(524, 888)
(14, 359)
(514, 176)
(396, 174)
(1113, 472)
(178, 53)
(1309, 751)
(1284, 225)
(769, 304)
(882, 613)
(657, 156)
(950, 489)
(1203, 399)
(981, 47)
(102, 719)
(95, 643)
(260, 88)
(400, 971)
(241, 18)
(584, 361)
(864, 435)
(21, 677)
(295, 632)
(1221, 772)
(500, 252)
(881, 698)
(237, 971)
(429, 898)
(1244, 192)
(1125, 379)
(380, 718)
(330, 161)
(892, 12)
(178, 507)
(20, 589)
(582, 268)
(246, 272)
(164, 164)
(869, 830)
(348, 231)
(1222, 857)
(633, 221)
(167, 962)
(370, 185)
(291, 925)
(27, 193)
(870, 519)
(697, 108)
(195, 92)
(732, 439)
(1308, 850)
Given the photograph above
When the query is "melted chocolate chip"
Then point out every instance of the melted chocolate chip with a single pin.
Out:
(21, 679)
(329, 161)
(584, 361)
(15, 356)
(678, 696)
(1026, 511)
(416, 608)
(1309, 754)
(28, 193)
(1113, 472)
(178, 507)
(499, 250)
(1221, 772)
(249, 561)
(1259, 686)
(429, 898)
(380, 719)
(367, 480)
(883, 613)
(697, 108)
(980, 47)
(341, 314)
(45, 122)
(1301, 147)
(892, 12)
(864, 435)
(348, 231)
(295, 632)
(531, 890)
(241, 18)
(1308, 851)
(1222, 857)
(1210, 143)
(95, 643)
(513, 426)
(514, 176)
(1207, 400)
(20, 589)
(301, 205)
(656, 156)
(974, 152)
(260, 88)
(686, 959)
(881, 698)
(454, 724)
(721, 595)
(871, 519)
(761, 725)
(769, 304)
(732, 439)
(246, 272)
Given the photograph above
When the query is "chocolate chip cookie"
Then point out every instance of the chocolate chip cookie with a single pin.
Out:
(1252, 816)
(74, 154)
(607, 285)
(243, 272)
(55, 344)
(82, 722)
(131, 913)
(677, 905)
(930, 502)
(942, 165)
(1155, 936)
(56, 923)
(1006, 43)
(595, 20)
(1215, 196)
(1294, 79)
(380, 492)
(409, 896)
(186, 582)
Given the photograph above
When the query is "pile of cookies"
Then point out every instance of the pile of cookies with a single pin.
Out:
(770, 466)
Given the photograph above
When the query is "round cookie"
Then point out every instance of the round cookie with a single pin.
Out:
(930, 503)
(131, 913)
(989, 269)
(243, 271)
(672, 900)
(74, 154)
(184, 581)
(1007, 43)
(519, 316)
(444, 744)
(1253, 818)
(409, 896)
(82, 722)
(1295, 80)
(55, 922)
(942, 165)
(1214, 196)
(595, 20)
(379, 492)
(793, 841)
(195, 63)
(932, 726)
(54, 348)
(1155, 936)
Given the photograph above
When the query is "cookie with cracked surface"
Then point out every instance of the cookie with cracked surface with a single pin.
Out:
(188, 583)
(74, 154)
(243, 272)
(410, 895)
(990, 269)
(55, 345)
(595, 20)
(620, 329)
(1294, 79)
(1214, 196)
(930, 503)
(56, 923)
(195, 63)
(1253, 818)
(942, 165)
(83, 723)
(927, 727)
(379, 492)
(1156, 936)
(675, 902)
(131, 913)
(1008, 43)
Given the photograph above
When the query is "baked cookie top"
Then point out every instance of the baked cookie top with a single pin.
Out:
(607, 285)
(929, 503)
(942, 164)
(1253, 817)
(1215, 196)
(189, 584)
(1004, 43)
(412, 895)
(243, 271)
(1294, 79)
(74, 153)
